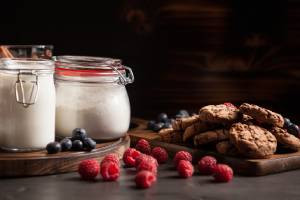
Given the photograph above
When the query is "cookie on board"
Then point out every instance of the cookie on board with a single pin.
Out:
(252, 141)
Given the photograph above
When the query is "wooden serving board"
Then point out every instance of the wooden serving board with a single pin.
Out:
(250, 167)
(41, 163)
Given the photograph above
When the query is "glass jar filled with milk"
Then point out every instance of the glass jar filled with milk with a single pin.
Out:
(27, 104)
(91, 94)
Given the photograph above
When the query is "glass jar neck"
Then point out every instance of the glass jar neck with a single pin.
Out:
(91, 70)
(26, 64)
(87, 62)
(87, 79)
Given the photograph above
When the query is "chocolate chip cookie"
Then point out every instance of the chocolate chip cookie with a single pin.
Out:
(225, 147)
(196, 128)
(252, 141)
(262, 115)
(210, 136)
(286, 139)
(183, 123)
(219, 114)
(246, 119)
(170, 135)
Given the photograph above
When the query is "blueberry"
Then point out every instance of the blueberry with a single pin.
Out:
(158, 126)
(150, 125)
(89, 144)
(162, 117)
(77, 145)
(66, 144)
(53, 147)
(184, 113)
(287, 122)
(179, 116)
(293, 129)
(79, 134)
(170, 120)
(167, 125)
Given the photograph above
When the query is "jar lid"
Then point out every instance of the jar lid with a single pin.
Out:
(26, 64)
(87, 66)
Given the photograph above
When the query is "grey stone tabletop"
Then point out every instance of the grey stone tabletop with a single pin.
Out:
(169, 186)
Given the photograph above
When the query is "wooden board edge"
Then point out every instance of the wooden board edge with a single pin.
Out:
(246, 167)
(40, 167)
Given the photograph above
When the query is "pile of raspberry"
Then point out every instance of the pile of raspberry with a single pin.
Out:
(146, 160)
(207, 165)
(142, 157)
(109, 168)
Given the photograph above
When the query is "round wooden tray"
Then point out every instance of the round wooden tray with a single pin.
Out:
(41, 163)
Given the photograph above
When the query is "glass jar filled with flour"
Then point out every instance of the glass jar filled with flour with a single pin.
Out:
(27, 104)
(91, 94)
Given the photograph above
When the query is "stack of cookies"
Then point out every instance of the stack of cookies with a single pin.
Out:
(249, 131)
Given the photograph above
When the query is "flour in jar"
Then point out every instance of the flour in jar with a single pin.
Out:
(102, 109)
(26, 128)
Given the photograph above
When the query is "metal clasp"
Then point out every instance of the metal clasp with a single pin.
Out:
(20, 92)
(128, 78)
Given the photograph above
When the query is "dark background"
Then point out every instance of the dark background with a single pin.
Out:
(184, 53)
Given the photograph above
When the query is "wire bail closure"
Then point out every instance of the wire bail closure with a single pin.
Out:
(20, 92)
(128, 78)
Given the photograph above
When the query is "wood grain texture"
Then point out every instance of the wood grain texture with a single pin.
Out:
(206, 52)
(41, 163)
(249, 167)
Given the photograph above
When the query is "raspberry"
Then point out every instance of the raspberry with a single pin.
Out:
(147, 165)
(160, 154)
(207, 165)
(129, 157)
(111, 157)
(145, 179)
(223, 173)
(185, 169)
(182, 155)
(110, 171)
(88, 169)
(228, 104)
(140, 158)
(143, 146)
(144, 157)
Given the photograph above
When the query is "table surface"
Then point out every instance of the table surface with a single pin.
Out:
(169, 186)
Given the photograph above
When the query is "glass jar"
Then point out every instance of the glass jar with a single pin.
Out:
(27, 104)
(91, 94)
(26, 51)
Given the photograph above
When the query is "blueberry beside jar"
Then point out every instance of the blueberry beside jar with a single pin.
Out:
(78, 142)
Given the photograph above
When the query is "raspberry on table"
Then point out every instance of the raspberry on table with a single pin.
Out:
(111, 157)
(185, 169)
(140, 158)
(228, 104)
(144, 157)
(145, 179)
(143, 146)
(160, 154)
(129, 157)
(148, 166)
(206, 165)
(89, 169)
(223, 173)
(182, 155)
(110, 171)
